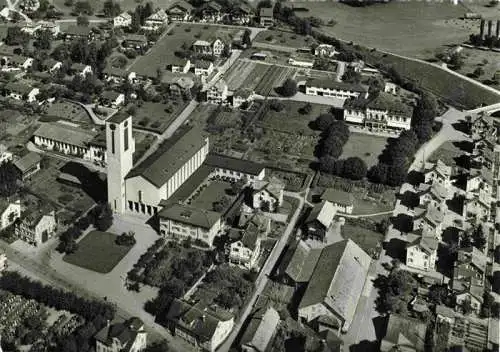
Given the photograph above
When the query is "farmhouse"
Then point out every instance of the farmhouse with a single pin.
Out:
(79, 32)
(36, 227)
(28, 165)
(21, 91)
(211, 12)
(336, 283)
(422, 253)
(199, 325)
(319, 220)
(404, 331)
(126, 336)
(260, 331)
(217, 94)
(325, 50)
(343, 201)
(211, 46)
(383, 112)
(69, 140)
(180, 11)
(10, 211)
(267, 195)
(301, 264)
(235, 169)
(266, 17)
(122, 20)
(156, 20)
(140, 189)
(331, 88)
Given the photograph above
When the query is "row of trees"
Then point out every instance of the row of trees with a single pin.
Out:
(487, 40)
(300, 25)
(9, 175)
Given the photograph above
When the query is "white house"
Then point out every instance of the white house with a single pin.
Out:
(118, 75)
(438, 172)
(112, 98)
(204, 327)
(302, 60)
(180, 11)
(81, 69)
(128, 336)
(36, 227)
(179, 65)
(217, 94)
(422, 253)
(156, 20)
(5, 155)
(343, 201)
(331, 88)
(203, 68)
(382, 113)
(10, 211)
(325, 50)
(213, 46)
(122, 20)
(242, 95)
(235, 169)
(267, 195)
(245, 250)
(21, 91)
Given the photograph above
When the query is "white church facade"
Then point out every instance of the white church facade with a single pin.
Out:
(140, 189)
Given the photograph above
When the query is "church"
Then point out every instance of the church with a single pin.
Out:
(140, 188)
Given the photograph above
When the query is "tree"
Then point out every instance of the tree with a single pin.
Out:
(306, 109)
(478, 237)
(103, 216)
(327, 164)
(466, 307)
(246, 40)
(15, 36)
(82, 21)
(221, 204)
(83, 8)
(354, 168)
(111, 8)
(237, 186)
(351, 76)
(324, 121)
(289, 88)
(43, 40)
(158, 346)
(478, 72)
(9, 175)
(456, 61)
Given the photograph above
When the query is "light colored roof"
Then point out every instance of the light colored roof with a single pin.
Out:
(332, 84)
(159, 15)
(201, 43)
(338, 279)
(27, 161)
(303, 262)
(473, 256)
(404, 332)
(429, 244)
(265, 330)
(440, 168)
(323, 212)
(124, 15)
(494, 331)
(273, 185)
(65, 133)
(190, 215)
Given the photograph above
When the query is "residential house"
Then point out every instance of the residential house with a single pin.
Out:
(300, 265)
(37, 227)
(381, 113)
(6, 13)
(29, 5)
(429, 221)
(51, 65)
(217, 94)
(122, 20)
(482, 125)
(21, 91)
(81, 69)
(112, 99)
(302, 60)
(178, 65)
(10, 211)
(267, 195)
(204, 327)
(180, 11)
(438, 172)
(241, 14)
(203, 68)
(181, 87)
(437, 194)
(5, 155)
(391, 88)
(336, 284)
(493, 332)
(128, 336)
(343, 201)
(118, 75)
(138, 42)
(320, 219)
(478, 206)
(211, 46)
(260, 331)
(181, 222)
(266, 17)
(15, 63)
(211, 12)
(245, 250)
(479, 180)
(242, 96)
(52, 27)
(422, 253)
(156, 20)
(79, 32)
(70, 140)
(331, 88)
(3, 260)
(28, 165)
(404, 334)
(325, 51)
(235, 169)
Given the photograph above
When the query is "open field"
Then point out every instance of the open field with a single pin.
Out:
(488, 61)
(282, 38)
(157, 117)
(274, 78)
(409, 28)
(212, 193)
(364, 146)
(67, 111)
(98, 252)
(163, 52)
(237, 73)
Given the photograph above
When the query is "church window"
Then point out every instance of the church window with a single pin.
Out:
(125, 138)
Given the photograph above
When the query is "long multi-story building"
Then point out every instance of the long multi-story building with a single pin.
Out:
(331, 88)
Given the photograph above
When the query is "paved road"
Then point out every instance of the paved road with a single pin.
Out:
(263, 278)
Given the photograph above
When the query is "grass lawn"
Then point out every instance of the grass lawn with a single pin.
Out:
(68, 111)
(98, 252)
(163, 51)
(447, 153)
(282, 38)
(489, 61)
(154, 117)
(409, 28)
(364, 146)
(212, 193)
(365, 238)
(125, 5)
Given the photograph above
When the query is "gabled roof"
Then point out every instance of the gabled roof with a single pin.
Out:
(124, 15)
(111, 95)
(473, 256)
(159, 15)
(303, 262)
(183, 5)
(427, 243)
(338, 279)
(78, 30)
(332, 84)
(408, 333)
(190, 215)
(233, 164)
(115, 72)
(136, 38)
(383, 101)
(159, 167)
(440, 168)
(323, 212)
(27, 161)
(65, 133)
(18, 87)
(197, 321)
(124, 332)
(273, 186)
(261, 330)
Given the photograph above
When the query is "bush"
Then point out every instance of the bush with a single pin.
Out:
(276, 105)
(289, 88)
(126, 239)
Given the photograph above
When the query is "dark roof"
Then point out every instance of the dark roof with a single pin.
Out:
(323, 213)
(303, 262)
(239, 165)
(170, 156)
(27, 161)
(18, 87)
(78, 30)
(115, 71)
(123, 332)
(182, 5)
(136, 38)
(190, 215)
(336, 196)
(110, 95)
(78, 66)
(404, 332)
(197, 321)
(118, 118)
(266, 12)
(65, 133)
(332, 84)
(260, 330)
(383, 101)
